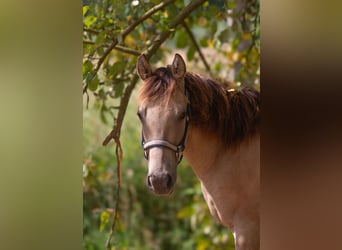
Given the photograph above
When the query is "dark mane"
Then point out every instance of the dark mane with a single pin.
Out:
(231, 115)
(160, 85)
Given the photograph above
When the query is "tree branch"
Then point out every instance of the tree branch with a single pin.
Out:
(119, 157)
(88, 42)
(115, 133)
(91, 30)
(193, 39)
(105, 54)
(144, 17)
(173, 24)
(127, 50)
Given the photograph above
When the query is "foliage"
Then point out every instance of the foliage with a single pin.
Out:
(220, 38)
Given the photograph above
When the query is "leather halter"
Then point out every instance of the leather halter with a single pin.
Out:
(178, 149)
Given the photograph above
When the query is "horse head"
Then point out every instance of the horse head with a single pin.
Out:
(164, 115)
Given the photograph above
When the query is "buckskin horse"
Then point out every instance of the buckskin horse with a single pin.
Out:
(217, 130)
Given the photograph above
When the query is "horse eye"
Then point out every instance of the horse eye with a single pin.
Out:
(139, 115)
(182, 115)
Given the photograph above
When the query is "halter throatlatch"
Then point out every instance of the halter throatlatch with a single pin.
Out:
(178, 149)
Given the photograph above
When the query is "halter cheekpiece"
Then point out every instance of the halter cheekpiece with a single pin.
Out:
(178, 149)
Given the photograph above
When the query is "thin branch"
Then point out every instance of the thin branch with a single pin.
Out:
(186, 12)
(105, 54)
(87, 94)
(85, 88)
(144, 17)
(173, 24)
(93, 43)
(193, 39)
(88, 42)
(119, 157)
(91, 30)
(115, 133)
(127, 50)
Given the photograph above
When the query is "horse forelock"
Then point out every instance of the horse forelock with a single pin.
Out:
(231, 115)
(159, 86)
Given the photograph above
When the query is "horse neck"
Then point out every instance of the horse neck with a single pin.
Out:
(202, 151)
(208, 157)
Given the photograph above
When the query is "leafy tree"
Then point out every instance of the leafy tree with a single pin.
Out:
(219, 38)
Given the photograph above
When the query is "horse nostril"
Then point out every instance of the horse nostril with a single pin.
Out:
(149, 184)
(169, 181)
(161, 184)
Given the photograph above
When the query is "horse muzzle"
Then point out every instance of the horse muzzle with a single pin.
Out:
(160, 184)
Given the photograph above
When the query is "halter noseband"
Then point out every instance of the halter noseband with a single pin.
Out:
(178, 149)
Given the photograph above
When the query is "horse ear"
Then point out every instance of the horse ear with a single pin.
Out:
(178, 67)
(143, 67)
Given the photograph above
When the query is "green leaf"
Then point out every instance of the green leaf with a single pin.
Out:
(103, 111)
(90, 20)
(213, 26)
(85, 9)
(87, 66)
(203, 243)
(204, 42)
(182, 39)
(232, 4)
(236, 42)
(117, 67)
(100, 38)
(186, 212)
(212, 10)
(89, 77)
(157, 57)
(218, 66)
(105, 215)
(224, 35)
(94, 83)
(191, 53)
(118, 89)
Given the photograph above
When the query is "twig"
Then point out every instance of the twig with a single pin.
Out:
(88, 42)
(115, 133)
(87, 94)
(105, 54)
(85, 90)
(91, 30)
(93, 43)
(193, 39)
(119, 157)
(127, 50)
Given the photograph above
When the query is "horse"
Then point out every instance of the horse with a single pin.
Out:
(218, 132)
